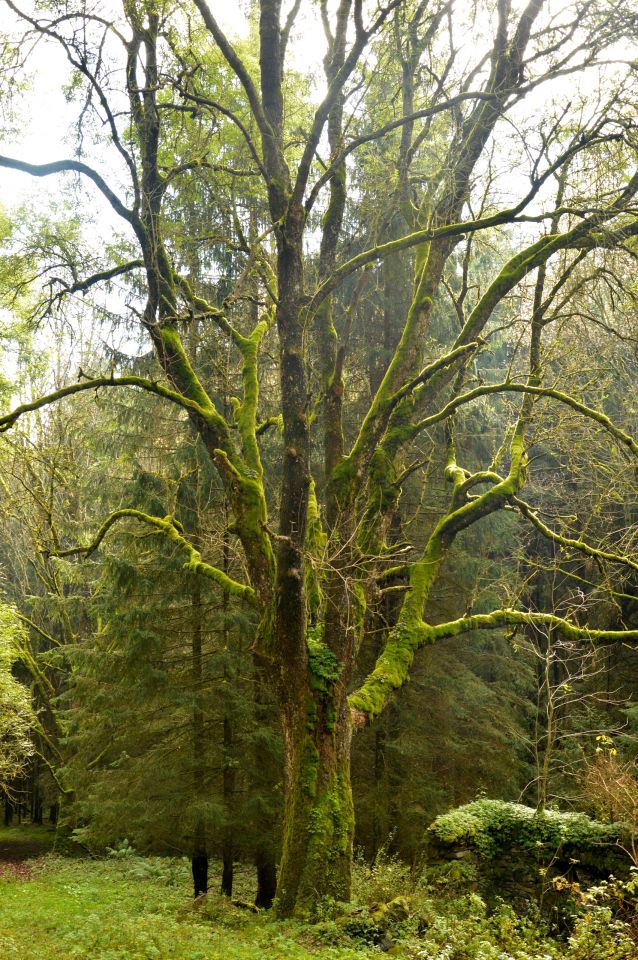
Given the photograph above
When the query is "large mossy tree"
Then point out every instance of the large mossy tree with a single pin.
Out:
(413, 109)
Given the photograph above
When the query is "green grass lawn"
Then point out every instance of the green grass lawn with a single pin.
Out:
(137, 910)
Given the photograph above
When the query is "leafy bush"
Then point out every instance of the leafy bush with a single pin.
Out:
(383, 880)
(491, 826)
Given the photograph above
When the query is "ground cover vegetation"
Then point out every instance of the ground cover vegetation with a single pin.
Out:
(80, 908)
(320, 379)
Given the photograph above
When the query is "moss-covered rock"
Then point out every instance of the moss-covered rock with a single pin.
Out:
(512, 851)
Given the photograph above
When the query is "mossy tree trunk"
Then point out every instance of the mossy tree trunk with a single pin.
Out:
(319, 816)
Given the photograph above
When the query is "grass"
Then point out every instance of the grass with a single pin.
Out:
(27, 832)
(136, 909)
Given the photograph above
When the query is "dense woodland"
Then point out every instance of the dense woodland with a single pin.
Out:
(318, 427)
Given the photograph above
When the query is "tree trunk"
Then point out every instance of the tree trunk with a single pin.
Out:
(319, 818)
(199, 861)
(266, 881)
(265, 778)
(228, 788)
(199, 856)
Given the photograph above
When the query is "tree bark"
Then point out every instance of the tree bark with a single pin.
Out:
(319, 817)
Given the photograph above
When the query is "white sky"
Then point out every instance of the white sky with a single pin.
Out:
(45, 133)
(46, 118)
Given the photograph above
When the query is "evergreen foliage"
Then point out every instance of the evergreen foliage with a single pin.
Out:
(17, 719)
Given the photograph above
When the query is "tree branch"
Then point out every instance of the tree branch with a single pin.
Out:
(526, 511)
(75, 166)
(166, 525)
(507, 387)
(95, 383)
(392, 667)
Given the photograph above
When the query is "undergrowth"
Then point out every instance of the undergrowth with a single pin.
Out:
(126, 907)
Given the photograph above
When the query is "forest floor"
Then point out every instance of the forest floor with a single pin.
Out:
(127, 907)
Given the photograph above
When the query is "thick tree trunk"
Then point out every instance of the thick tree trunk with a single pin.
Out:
(319, 817)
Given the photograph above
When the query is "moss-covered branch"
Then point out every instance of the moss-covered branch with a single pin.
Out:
(441, 363)
(543, 621)
(392, 668)
(419, 237)
(247, 412)
(168, 526)
(43, 633)
(570, 542)
(508, 387)
(385, 402)
(96, 383)
(410, 632)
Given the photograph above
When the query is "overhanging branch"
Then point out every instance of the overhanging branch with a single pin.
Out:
(168, 526)
(526, 511)
(71, 166)
(393, 666)
(507, 387)
(96, 383)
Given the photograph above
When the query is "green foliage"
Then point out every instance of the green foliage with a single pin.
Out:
(17, 719)
(492, 826)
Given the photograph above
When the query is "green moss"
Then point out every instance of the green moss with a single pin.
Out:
(312, 714)
(392, 668)
(182, 372)
(327, 870)
(360, 605)
(246, 413)
(342, 481)
(315, 545)
(310, 768)
(324, 670)
(492, 826)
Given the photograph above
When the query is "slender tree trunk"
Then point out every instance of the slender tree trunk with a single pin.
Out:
(199, 860)
(264, 781)
(199, 857)
(228, 791)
